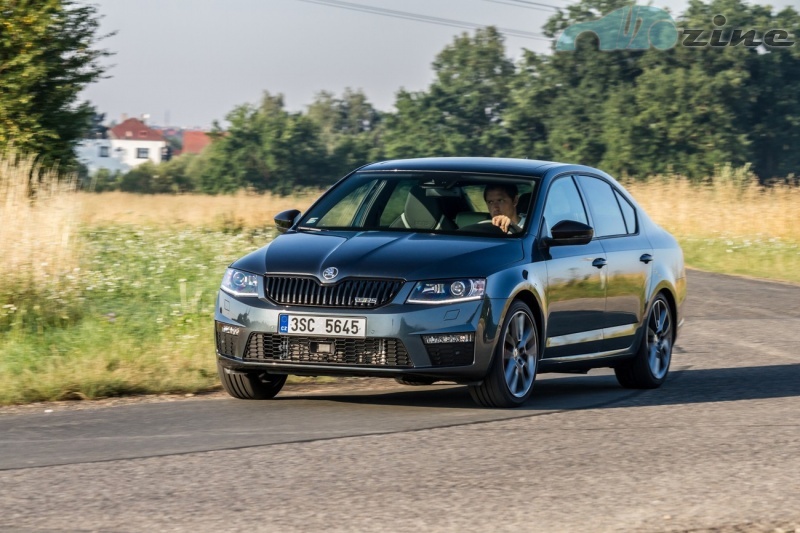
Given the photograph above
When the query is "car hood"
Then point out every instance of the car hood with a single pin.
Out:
(409, 256)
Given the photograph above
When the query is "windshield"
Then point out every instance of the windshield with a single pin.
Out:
(430, 202)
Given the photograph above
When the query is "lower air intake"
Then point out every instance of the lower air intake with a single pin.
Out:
(369, 351)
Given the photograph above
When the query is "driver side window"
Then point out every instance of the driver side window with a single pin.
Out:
(563, 203)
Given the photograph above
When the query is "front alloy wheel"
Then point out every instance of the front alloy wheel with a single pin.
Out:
(509, 382)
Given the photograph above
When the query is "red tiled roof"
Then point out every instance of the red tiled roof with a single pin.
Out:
(134, 129)
(194, 142)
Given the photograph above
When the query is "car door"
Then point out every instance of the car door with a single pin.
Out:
(576, 281)
(628, 255)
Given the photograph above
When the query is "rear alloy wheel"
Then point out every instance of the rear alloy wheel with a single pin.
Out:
(250, 385)
(649, 368)
(509, 382)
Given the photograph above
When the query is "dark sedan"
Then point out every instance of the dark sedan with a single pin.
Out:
(478, 271)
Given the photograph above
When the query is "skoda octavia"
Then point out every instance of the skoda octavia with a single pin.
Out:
(478, 271)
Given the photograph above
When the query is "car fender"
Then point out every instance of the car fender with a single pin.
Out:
(664, 280)
(527, 283)
(668, 272)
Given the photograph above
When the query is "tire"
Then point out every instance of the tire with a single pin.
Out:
(509, 382)
(415, 382)
(649, 368)
(250, 385)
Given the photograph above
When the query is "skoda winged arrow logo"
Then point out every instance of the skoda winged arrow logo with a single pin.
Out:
(330, 273)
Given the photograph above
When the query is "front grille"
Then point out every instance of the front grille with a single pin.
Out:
(451, 354)
(331, 350)
(351, 293)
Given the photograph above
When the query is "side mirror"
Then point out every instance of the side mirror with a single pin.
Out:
(569, 232)
(285, 219)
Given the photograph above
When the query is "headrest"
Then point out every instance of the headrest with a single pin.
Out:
(524, 201)
(422, 212)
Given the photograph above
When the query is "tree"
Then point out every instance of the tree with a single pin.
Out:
(764, 89)
(47, 57)
(265, 148)
(685, 109)
(576, 86)
(528, 112)
(104, 180)
(698, 108)
(462, 111)
(350, 129)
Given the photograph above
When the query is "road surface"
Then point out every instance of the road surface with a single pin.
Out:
(717, 448)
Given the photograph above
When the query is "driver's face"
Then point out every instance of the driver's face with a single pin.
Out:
(500, 203)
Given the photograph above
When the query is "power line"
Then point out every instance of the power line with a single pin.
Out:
(528, 5)
(417, 17)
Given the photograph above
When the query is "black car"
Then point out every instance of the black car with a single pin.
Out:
(479, 271)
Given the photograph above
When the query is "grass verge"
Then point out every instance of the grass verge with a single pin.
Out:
(147, 300)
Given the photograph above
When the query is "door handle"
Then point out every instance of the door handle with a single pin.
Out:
(646, 258)
(599, 262)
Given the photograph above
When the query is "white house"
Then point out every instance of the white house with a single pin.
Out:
(129, 144)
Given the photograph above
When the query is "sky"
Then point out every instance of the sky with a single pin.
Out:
(187, 63)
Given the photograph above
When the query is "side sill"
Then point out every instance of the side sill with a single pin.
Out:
(585, 357)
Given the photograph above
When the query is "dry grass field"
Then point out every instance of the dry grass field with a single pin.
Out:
(243, 211)
(722, 209)
(40, 245)
(732, 226)
(37, 226)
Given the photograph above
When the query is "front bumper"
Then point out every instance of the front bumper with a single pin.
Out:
(247, 338)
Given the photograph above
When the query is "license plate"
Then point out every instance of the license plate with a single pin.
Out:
(323, 326)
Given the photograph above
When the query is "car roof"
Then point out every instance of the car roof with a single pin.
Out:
(487, 165)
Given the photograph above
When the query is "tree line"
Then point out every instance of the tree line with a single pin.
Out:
(685, 110)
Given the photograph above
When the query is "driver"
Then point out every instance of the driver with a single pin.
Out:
(502, 199)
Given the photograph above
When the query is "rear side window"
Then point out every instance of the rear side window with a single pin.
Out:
(606, 214)
(628, 212)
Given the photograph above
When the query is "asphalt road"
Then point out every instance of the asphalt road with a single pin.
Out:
(716, 448)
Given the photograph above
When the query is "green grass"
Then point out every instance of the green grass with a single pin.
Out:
(137, 318)
(767, 258)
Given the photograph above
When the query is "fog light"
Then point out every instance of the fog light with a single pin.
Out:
(448, 338)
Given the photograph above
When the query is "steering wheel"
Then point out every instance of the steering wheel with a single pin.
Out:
(485, 226)
(512, 228)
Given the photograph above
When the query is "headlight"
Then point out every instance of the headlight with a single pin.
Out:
(447, 291)
(240, 283)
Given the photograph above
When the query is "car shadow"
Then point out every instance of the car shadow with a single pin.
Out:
(684, 386)
(706, 385)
